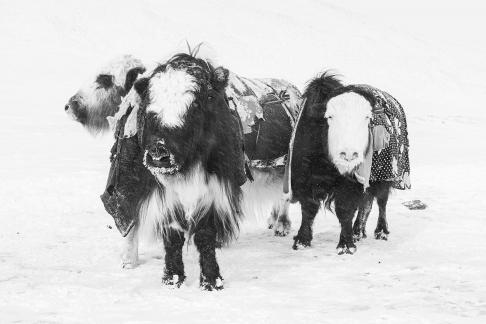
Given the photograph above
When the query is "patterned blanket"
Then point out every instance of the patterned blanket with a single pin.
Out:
(390, 161)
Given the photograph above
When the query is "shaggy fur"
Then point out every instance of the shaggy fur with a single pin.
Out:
(196, 166)
(314, 177)
(101, 97)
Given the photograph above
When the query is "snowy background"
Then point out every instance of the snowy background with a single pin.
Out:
(59, 260)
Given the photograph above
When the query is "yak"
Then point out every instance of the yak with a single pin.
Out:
(349, 146)
(188, 184)
(267, 110)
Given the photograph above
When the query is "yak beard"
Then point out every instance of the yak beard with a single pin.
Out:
(345, 167)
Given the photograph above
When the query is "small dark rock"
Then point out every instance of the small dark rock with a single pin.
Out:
(109, 226)
(415, 205)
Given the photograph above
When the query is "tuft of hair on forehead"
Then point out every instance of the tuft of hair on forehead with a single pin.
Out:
(349, 103)
(171, 92)
(119, 68)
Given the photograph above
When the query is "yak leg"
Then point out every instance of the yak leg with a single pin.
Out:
(359, 228)
(309, 208)
(174, 267)
(205, 241)
(346, 203)
(129, 254)
(346, 244)
(279, 219)
(381, 231)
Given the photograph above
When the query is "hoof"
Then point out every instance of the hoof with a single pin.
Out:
(129, 265)
(300, 244)
(210, 285)
(281, 229)
(346, 249)
(174, 281)
(381, 235)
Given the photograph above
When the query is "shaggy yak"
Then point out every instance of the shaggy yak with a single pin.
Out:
(192, 148)
(349, 146)
(266, 107)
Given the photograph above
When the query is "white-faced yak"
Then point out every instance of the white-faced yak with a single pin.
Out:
(349, 146)
(267, 109)
(100, 97)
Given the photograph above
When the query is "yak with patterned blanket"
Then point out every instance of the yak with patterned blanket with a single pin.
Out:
(350, 145)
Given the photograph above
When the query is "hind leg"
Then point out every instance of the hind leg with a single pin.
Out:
(279, 219)
(309, 208)
(381, 231)
(359, 227)
(129, 254)
(174, 267)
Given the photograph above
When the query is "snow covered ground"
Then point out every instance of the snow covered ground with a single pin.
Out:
(59, 257)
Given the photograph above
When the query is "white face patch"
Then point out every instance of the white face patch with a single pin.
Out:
(171, 95)
(348, 116)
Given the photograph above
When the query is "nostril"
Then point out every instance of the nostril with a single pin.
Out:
(342, 155)
(355, 155)
(66, 107)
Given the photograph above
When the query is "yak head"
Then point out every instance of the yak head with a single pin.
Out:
(348, 117)
(101, 96)
(179, 101)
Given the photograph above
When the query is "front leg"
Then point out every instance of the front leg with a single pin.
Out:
(359, 227)
(205, 241)
(174, 266)
(346, 243)
(348, 198)
(129, 254)
(309, 208)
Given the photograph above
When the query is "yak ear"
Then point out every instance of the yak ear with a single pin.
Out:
(220, 78)
(316, 111)
(132, 75)
(141, 86)
(105, 80)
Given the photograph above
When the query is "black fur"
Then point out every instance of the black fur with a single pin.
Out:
(173, 244)
(131, 76)
(105, 80)
(315, 178)
(210, 136)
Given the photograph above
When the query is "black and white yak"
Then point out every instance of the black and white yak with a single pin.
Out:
(349, 146)
(267, 107)
(191, 144)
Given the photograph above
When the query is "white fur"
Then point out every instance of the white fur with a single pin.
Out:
(92, 96)
(129, 255)
(171, 94)
(195, 192)
(132, 99)
(119, 66)
(348, 116)
(262, 195)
